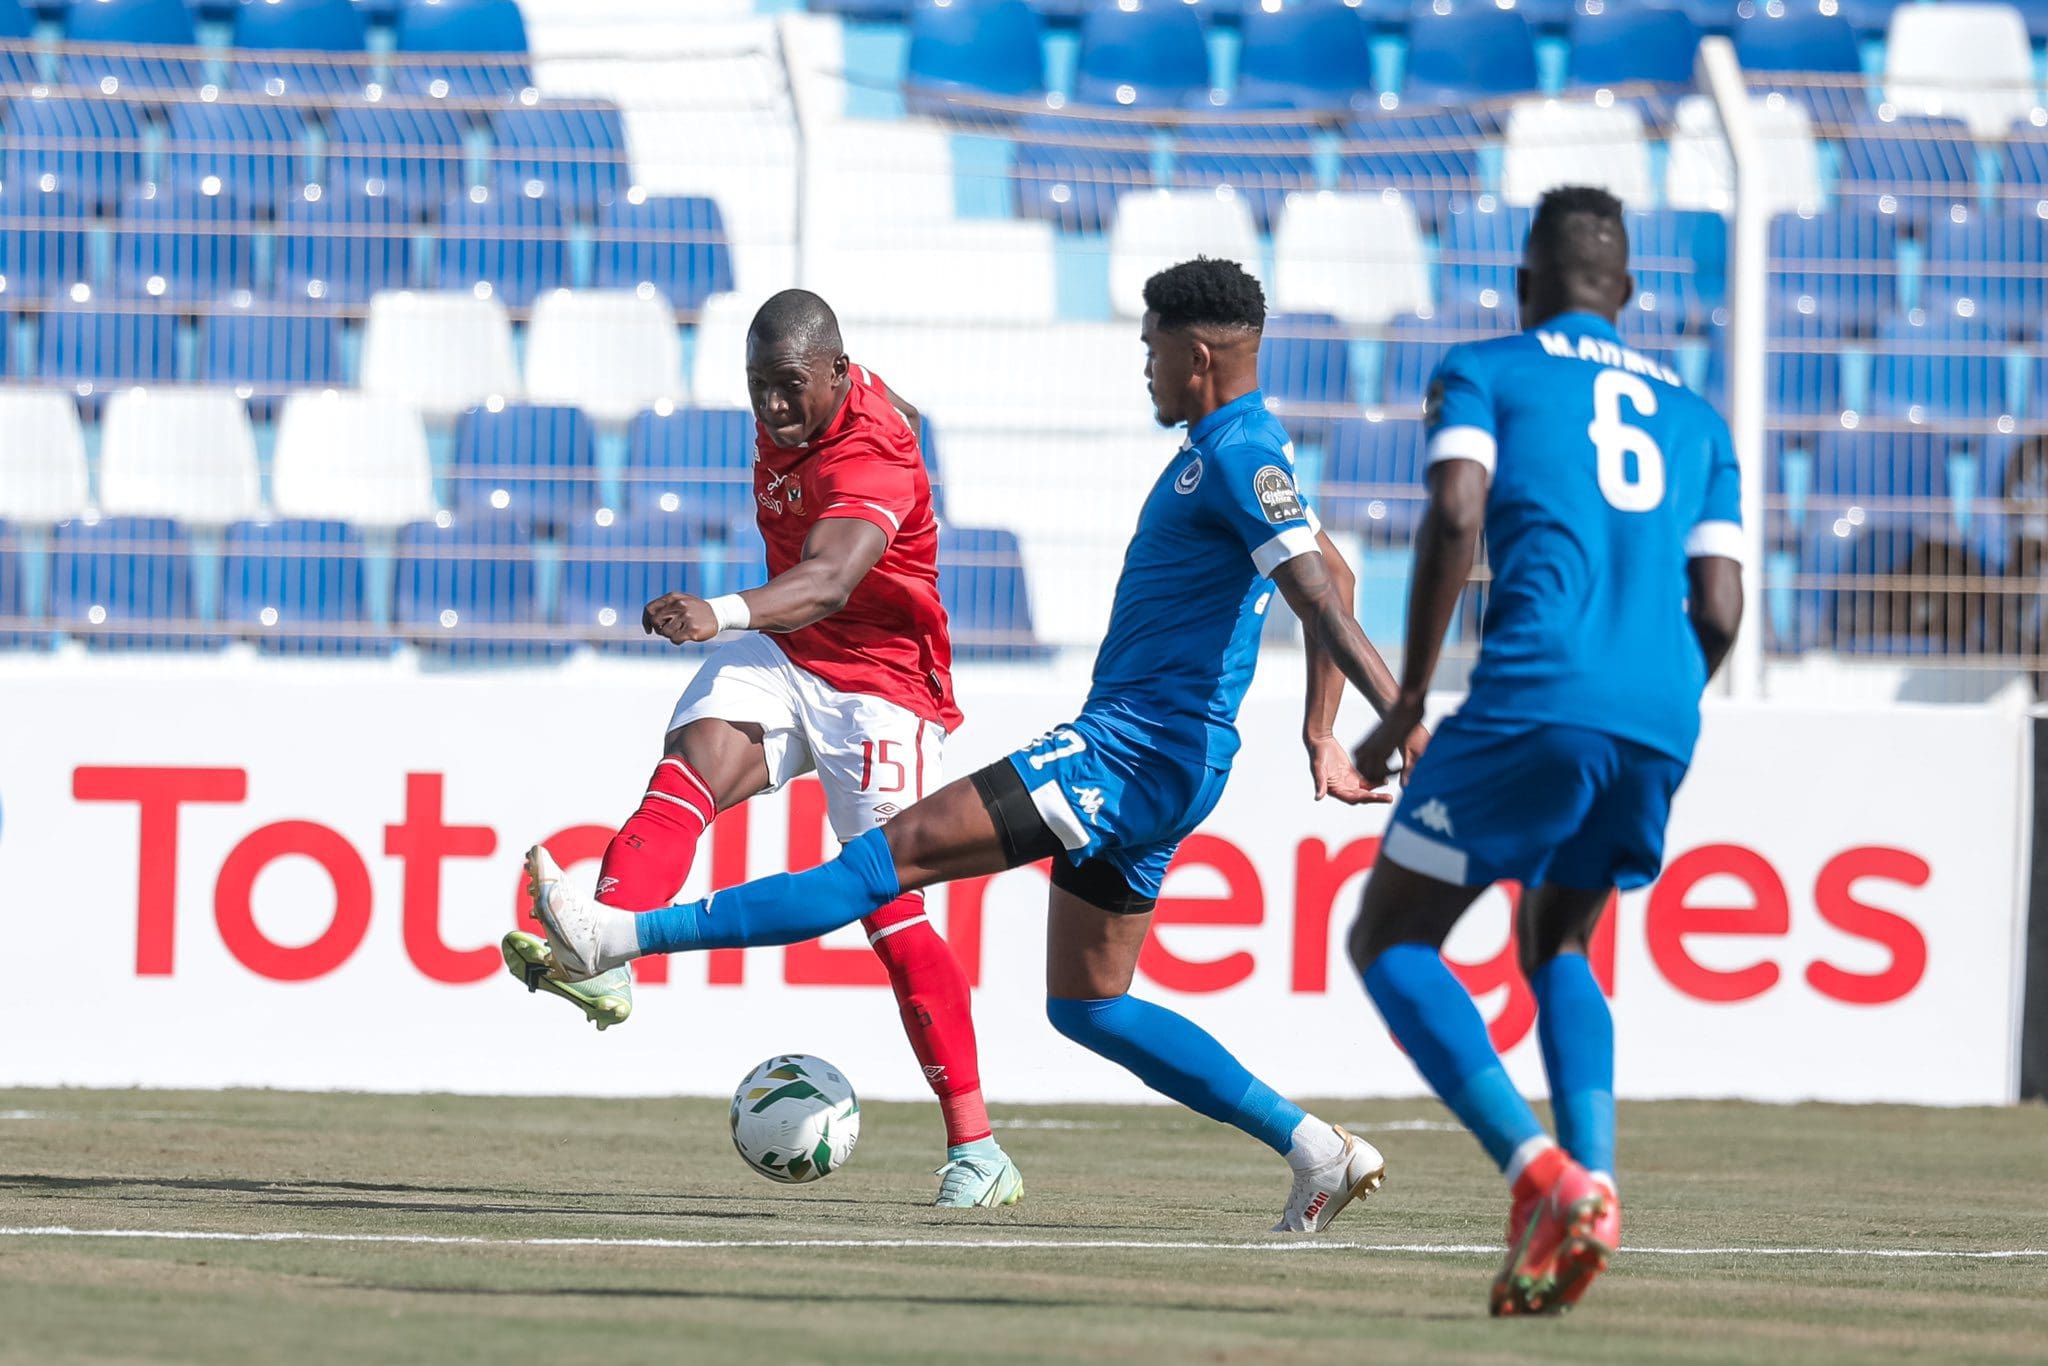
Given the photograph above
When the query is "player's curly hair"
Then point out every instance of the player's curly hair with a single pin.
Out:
(1558, 208)
(1206, 292)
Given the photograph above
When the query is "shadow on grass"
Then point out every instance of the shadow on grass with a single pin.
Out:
(782, 1298)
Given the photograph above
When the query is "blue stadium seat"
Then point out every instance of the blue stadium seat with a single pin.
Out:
(1305, 364)
(464, 588)
(988, 601)
(573, 150)
(694, 460)
(1145, 53)
(864, 11)
(1712, 16)
(488, 36)
(1306, 54)
(90, 149)
(13, 594)
(1626, 43)
(91, 351)
(113, 578)
(413, 155)
(264, 356)
(675, 243)
(534, 464)
(1468, 52)
(1679, 258)
(516, 245)
(1372, 480)
(1429, 155)
(1883, 481)
(247, 150)
(1419, 340)
(44, 249)
(338, 247)
(1262, 163)
(183, 245)
(1909, 166)
(135, 24)
(1481, 247)
(1844, 260)
(1869, 18)
(976, 47)
(299, 26)
(613, 567)
(296, 587)
(1071, 171)
(1998, 260)
(18, 60)
(1933, 368)
(1798, 37)
(1802, 378)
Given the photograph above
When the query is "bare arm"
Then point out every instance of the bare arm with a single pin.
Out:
(837, 554)
(902, 405)
(1715, 606)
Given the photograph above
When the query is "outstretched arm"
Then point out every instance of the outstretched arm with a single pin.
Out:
(838, 552)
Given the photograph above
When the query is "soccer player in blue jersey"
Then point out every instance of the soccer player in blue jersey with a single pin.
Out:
(1110, 795)
(1610, 500)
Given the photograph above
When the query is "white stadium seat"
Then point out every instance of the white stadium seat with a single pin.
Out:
(354, 456)
(1700, 173)
(610, 352)
(1045, 377)
(1158, 228)
(964, 270)
(1576, 142)
(183, 453)
(440, 351)
(1359, 256)
(1961, 61)
(718, 359)
(42, 461)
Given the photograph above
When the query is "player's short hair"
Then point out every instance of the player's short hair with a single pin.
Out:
(1572, 228)
(1206, 292)
(800, 319)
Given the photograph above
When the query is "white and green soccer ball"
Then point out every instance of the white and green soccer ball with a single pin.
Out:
(795, 1118)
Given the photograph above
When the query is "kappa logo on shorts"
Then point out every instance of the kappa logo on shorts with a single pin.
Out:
(1434, 814)
(1190, 478)
(1278, 498)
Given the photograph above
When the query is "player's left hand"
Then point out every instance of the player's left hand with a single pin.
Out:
(1334, 776)
(1411, 752)
(680, 619)
(1400, 729)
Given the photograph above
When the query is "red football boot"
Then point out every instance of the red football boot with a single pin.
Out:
(1558, 1232)
(1585, 1256)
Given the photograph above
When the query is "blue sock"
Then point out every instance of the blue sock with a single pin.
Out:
(1577, 1034)
(1435, 1020)
(1176, 1057)
(788, 908)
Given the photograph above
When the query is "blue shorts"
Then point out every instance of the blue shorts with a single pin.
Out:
(1534, 804)
(1109, 794)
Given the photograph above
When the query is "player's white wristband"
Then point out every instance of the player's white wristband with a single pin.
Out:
(731, 612)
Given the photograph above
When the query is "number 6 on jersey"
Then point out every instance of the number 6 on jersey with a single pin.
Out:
(1614, 441)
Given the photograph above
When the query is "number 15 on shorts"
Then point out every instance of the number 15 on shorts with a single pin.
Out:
(880, 769)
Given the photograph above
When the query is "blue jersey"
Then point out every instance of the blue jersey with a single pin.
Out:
(1184, 633)
(1608, 474)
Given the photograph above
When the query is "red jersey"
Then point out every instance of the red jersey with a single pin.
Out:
(890, 639)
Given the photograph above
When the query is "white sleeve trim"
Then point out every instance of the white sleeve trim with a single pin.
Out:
(1315, 523)
(1296, 540)
(1719, 540)
(1463, 443)
(894, 520)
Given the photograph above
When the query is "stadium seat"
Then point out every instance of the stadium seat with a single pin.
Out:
(291, 28)
(573, 151)
(612, 567)
(674, 245)
(1372, 478)
(1262, 164)
(1844, 260)
(188, 454)
(1627, 44)
(1679, 258)
(94, 351)
(1417, 343)
(1071, 171)
(611, 353)
(297, 587)
(976, 47)
(1359, 256)
(89, 149)
(1997, 260)
(1149, 54)
(128, 29)
(1961, 61)
(465, 589)
(698, 461)
(412, 154)
(1797, 37)
(42, 462)
(353, 456)
(1913, 167)
(1431, 156)
(1802, 377)
(263, 356)
(537, 465)
(114, 578)
(1467, 52)
(1157, 228)
(442, 352)
(1304, 54)
(339, 247)
(1305, 368)
(183, 245)
(1700, 173)
(18, 60)
(1575, 142)
(1870, 18)
(1480, 247)
(987, 595)
(1930, 368)
(14, 594)
(480, 46)
(247, 151)
(44, 247)
(501, 244)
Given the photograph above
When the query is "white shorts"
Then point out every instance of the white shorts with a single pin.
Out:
(873, 757)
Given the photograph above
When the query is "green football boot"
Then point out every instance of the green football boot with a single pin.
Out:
(605, 1000)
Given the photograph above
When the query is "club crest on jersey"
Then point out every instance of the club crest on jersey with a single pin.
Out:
(1190, 478)
(1277, 496)
(783, 490)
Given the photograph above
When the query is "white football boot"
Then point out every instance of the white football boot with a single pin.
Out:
(570, 918)
(1321, 1193)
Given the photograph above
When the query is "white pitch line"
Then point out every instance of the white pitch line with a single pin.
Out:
(992, 1244)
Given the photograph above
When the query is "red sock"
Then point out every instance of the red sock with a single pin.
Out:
(1538, 1173)
(649, 859)
(931, 992)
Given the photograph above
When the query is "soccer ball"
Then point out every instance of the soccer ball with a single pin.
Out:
(795, 1118)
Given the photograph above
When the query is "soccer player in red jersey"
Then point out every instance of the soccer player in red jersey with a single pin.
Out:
(842, 666)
